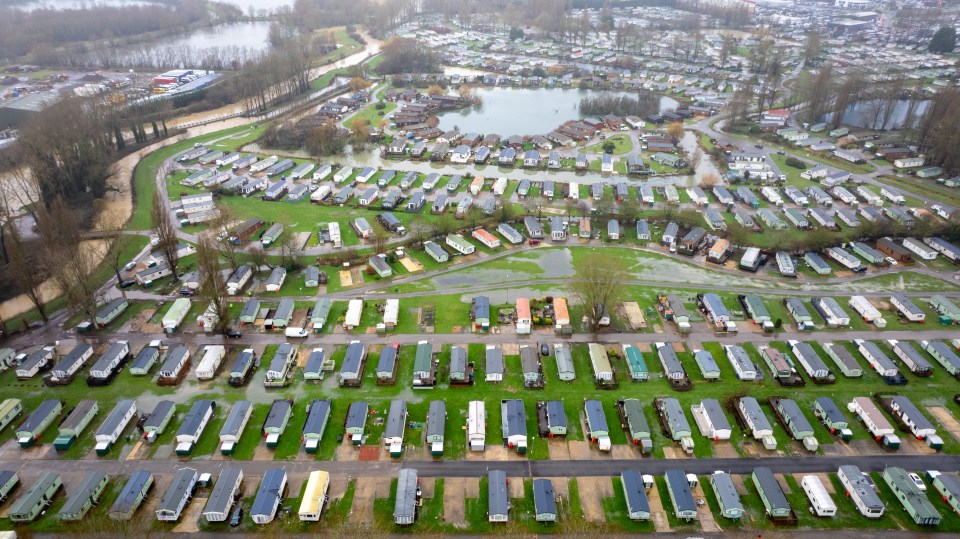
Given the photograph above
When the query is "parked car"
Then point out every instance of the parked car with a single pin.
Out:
(233, 333)
(129, 266)
(237, 517)
(917, 481)
(127, 283)
(544, 349)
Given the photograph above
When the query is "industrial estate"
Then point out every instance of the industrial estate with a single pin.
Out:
(630, 266)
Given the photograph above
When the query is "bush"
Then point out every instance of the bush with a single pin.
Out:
(796, 163)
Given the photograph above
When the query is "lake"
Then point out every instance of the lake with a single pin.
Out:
(861, 114)
(523, 111)
(249, 35)
(31, 5)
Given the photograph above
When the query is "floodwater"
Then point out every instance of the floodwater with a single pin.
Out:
(862, 113)
(248, 35)
(524, 111)
(245, 5)
(541, 264)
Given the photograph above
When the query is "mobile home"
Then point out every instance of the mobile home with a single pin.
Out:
(75, 423)
(133, 494)
(314, 496)
(177, 495)
(270, 494)
(233, 426)
(193, 425)
(156, 423)
(224, 495)
(638, 507)
(860, 491)
(112, 427)
(29, 432)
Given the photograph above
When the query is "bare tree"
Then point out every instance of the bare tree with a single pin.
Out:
(70, 268)
(420, 229)
(166, 233)
(596, 285)
(380, 238)
(695, 158)
(22, 268)
(258, 257)
(213, 285)
(675, 130)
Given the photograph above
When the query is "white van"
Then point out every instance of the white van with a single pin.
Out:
(296, 332)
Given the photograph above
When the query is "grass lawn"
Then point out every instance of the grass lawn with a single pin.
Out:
(622, 144)
(925, 187)
(372, 114)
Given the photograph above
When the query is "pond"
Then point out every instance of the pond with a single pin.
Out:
(523, 111)
(241, 35)
(862, 114)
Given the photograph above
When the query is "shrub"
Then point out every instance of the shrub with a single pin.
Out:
(796, 163)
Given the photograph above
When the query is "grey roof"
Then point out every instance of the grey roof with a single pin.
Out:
(772, 491)
(110, 307)
(682, 497)
(353, 358)
(711, 407)
(670, 360)
(77, 415)
(181, 486)
(357, 414)
(174, 357)
(674, 414)
(406, 501)
(844, 356)
(75, 356)
(160, 412)
(436, 418)
(317, 417)
(796, 304)
(269, 493)
(481, 307)
(830, 409)
(458, 359)
(596, 419)
(396, 419)
(130, 495)
(907, 304)
(919, 362)
(751, 408)
(677, 306)
(278, 415)
(726, 491)
(285, 309)
(879, 356)
(147, 354)
(715, 304)
(498, 503)
(945, 352)
(529, 360)
(84, 492)
(809, 356)
(314, 360)
(544, 499)
(739, 356)
(494, 360)
(34, 495)
(191, 423)
(910, 411)
(514, 418)
(794, 415)
(110, 356)
(39, 416)
(222, 496)
(279, 360)
(388, 358)
(242, 362)
(636, 495)
(556, 416)
(116, 417)
(236, 419)
(250, 308)
(860, 485)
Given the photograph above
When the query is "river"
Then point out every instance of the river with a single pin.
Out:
(862, 113)
(524, 111)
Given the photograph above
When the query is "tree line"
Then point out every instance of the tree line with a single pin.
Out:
(643, 104)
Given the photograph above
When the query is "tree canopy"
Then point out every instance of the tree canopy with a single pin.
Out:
(945, 40)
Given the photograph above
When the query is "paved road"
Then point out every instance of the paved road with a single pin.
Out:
(514, 468)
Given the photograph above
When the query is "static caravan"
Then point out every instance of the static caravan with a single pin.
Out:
(281, 410)
(565, 368)
(910, 416)
(596, 420)
(915, 501)
(832, 417)
(242, 368)
(9, 410)
(771, 493)
(944, 355)
(843, 359)
(638, 507)
(831, 311)
(318, 413)
(159, 419)
(354, 313)
(85, 497)
(133, 494)
(727, 496)
(459, 366)
(498, 502)
(193, 424)
(143, 363)
(711, 420)
(356, 422)
(395, 427)
(37, 361)
(70, 364)
(810, 361)
(174, 366)
(281, 368)
(602, 369)
(276, 279)
(513, 424)
(494, 365)
(407, 501)
(233, 426)
(510, 233)
(178, 495)
(476, 425)
(860, 491)
(29, 432)
(555, 418)
(758, 312)
(948, 486)
(424, 366)
(947, 309)
(544, 501)
(436, 424)
(741, 362)
(34, 501)
(313, 368)
(250, 312)
(907, 308)
(635, 363)
(351, 370)
(314, 496)
(876, 423)
(912, 358)
(708, 366)
(820, 502)
(672, 366)
(175, 315)
(795, 422)
(756, 421)
(109, 364)
(210, 362)
(270, 494)
(880, 362)
(681, 497)
(867, 311)
(524, 319)
(319, 314)
(75, 423)
(112, 427)
(224, 495)
(675, 422)
(530, 367)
